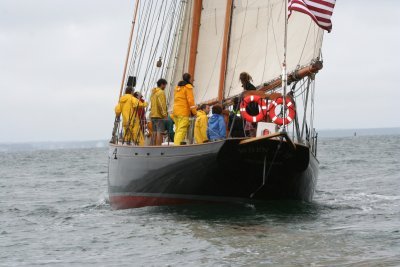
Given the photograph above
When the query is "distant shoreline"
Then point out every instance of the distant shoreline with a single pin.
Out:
(359, 132)
(55, 145)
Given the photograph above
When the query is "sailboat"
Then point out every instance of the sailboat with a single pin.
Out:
(214, 41)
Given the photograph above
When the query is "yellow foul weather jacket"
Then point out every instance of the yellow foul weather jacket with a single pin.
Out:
(158, 104)
(184, 100)
(200, 127)
(128, 106)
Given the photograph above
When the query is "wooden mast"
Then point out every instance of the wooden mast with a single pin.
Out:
(197, 6)
(129, 47)
(225, 47)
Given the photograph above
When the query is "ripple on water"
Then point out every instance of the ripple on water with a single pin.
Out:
(55, 211)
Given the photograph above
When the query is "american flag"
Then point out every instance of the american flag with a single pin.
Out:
(319, 10)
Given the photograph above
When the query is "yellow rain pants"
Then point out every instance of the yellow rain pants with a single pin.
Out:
(181, 128)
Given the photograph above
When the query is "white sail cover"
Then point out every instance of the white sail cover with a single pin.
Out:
(209, 50)
(257, 42)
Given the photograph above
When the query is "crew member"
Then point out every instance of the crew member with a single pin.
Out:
(252, 108)
(128, 106)
(200, 127)
(184, 106)
(236, 124)
(158, 112)
(141, 112)
(246, 80)
(216, 125)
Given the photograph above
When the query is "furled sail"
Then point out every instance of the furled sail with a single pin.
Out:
(257, 42)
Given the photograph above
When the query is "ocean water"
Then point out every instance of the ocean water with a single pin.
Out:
(54, 212)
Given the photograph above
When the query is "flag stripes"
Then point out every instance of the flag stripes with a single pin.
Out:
(319, 10)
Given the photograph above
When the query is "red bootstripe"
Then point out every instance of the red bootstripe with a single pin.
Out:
(126, 202)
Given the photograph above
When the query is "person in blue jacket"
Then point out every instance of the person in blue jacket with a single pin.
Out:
(216, 125)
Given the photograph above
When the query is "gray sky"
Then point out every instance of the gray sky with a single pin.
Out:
(61, 64)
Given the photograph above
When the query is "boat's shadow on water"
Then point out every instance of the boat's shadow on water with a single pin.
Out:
(253, 213)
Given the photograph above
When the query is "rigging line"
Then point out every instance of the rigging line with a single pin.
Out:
(146, 40)
(141, 29)
(215, 22)
(316, 39)
(167, 53)
(135, 32)
(300, 88)
(265, 176)
(168, 50)
(174, 54)
(153, 51)
(269, 10)
(141, 89)
(145, 37)
(312, 105)
(171, 32)
(276, 43)
(238, 51)
(150, 61)
(133, 67)
(235, 117)
(162, 34)
(305, 104)
(305, 43)
(128, 50)
(173, 59)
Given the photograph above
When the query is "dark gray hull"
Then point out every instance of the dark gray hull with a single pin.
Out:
(219, 171)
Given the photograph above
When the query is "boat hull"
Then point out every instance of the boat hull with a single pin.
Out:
(219, 171)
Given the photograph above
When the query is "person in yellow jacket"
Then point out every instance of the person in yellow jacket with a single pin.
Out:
(128, 106)
(184, 106)
(200, 127)
(158, 112)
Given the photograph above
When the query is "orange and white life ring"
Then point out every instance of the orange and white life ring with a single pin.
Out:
(262, 108)
(290, 114)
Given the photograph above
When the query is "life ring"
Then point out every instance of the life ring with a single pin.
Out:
(290, 115)
(262, 108)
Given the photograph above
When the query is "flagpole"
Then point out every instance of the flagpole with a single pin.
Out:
(284, 71)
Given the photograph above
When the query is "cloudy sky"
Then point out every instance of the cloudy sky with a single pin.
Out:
(61, 64)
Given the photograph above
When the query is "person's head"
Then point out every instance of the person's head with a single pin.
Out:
(245, 77)
(137, 95)
(205, 108)
(217, 109)
(162, 83)
(186, 77)
(128, 90)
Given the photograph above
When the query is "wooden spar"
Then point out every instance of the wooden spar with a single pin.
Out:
(129, 47)
(197, 6)
(294, 76)
(224, 57)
